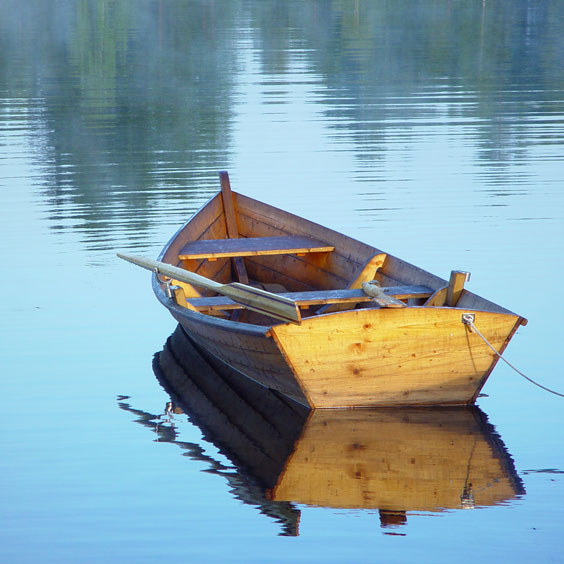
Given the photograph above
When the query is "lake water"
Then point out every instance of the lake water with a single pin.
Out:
(431, 129)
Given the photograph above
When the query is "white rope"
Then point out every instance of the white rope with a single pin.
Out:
(469, 322)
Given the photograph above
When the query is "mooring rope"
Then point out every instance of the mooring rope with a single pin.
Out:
(468, 320)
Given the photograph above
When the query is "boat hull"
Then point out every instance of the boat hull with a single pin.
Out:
(362, 358)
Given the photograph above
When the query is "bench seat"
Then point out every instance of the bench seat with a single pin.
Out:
(252, 246)
(217, 303)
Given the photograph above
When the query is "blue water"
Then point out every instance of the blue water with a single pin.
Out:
(432, 130)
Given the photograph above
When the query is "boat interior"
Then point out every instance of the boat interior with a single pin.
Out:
(234, 238)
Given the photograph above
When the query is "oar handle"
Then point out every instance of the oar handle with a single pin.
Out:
(172, 271)
(254, 299)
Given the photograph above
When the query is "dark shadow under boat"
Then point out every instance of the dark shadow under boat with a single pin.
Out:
(390, 459)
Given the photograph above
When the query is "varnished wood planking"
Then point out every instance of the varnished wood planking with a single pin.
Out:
(293, 224)
(400, 460)
(198, 225)
(207, 223)
(219, 270)
(256, 356)
(272, 274)
(408, 274)
(188, 289)
(403, 460)
(259, 219)
(253, 246)
(277, 410)
(313, 269)
(349, 255)
(296, 273)
(262, 367)
(391, 356)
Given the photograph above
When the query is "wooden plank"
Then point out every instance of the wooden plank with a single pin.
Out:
(231, 224)
(468, 300)
(318, 270)
(252, 246)
(318, 297)
(182, 290)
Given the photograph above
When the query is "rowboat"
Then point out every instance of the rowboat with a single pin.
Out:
(285, 456)
(320, 317)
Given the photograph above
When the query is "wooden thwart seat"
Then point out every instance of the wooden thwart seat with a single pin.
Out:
(305, 299)
(252, 246)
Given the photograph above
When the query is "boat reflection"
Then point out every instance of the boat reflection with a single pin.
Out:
(391, 460)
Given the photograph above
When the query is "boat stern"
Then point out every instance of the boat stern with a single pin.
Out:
(393, 357)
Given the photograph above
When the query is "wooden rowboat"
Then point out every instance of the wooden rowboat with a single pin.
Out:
(242, 266)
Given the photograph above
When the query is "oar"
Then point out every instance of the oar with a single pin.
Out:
(251, 298)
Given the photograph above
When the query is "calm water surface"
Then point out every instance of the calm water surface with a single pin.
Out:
(432, 130)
